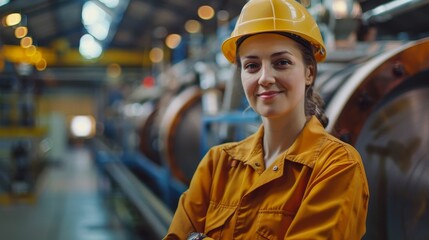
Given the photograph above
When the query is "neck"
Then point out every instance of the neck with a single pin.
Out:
(279, 135)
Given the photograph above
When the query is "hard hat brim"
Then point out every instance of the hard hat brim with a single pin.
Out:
(229, 47)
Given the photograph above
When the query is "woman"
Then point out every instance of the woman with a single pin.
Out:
(291, 179)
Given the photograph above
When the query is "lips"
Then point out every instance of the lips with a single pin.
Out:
(268, 94)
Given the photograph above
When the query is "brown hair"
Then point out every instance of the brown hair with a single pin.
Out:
(314, 103)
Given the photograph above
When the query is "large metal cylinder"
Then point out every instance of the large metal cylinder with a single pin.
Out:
(148, 132)
(381, 109)
(180, 132)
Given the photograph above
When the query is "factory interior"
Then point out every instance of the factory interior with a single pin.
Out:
(107, 107)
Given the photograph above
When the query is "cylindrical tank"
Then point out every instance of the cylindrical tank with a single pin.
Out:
(179, 133)
(148, 131)
(381, 109)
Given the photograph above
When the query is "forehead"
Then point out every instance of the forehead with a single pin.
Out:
(267, 43)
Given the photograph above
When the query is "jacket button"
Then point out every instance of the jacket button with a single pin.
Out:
(275, 168)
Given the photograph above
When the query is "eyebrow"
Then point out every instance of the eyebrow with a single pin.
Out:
(281, 53)
(272, 55)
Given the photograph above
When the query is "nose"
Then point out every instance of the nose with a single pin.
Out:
(267, 76)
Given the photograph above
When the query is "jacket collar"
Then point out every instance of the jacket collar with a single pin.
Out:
(304, 150)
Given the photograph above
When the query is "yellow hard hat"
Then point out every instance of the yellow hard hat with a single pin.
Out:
(259, 16)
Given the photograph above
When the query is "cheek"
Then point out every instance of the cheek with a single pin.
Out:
(300, 85)
(297, 81)
(248, 85)
(299, 89)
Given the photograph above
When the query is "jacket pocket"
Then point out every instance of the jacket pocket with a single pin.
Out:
(217, 217)
(273, 224)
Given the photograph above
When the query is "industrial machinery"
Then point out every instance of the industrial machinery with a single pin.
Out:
(21, 159)
(380, 109)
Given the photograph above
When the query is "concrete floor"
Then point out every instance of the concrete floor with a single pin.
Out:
(68, 206)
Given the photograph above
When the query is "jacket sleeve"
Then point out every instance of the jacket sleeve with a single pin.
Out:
(190, 215)
(336, 201)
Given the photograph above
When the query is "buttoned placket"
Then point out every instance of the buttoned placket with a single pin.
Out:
(267, 176)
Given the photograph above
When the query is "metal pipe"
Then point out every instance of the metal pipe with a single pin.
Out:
(152, 209)
(387, 11)
(157, 215)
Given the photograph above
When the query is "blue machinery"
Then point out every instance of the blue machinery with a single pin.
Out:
(156, 209)
(237, 118)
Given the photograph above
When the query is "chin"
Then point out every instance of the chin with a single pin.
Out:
(269, 114)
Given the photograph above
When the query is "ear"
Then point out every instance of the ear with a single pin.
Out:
(309, 75)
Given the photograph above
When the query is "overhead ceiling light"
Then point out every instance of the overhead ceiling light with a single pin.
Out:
(21, 32)
(13, 19)
(340, 8)
(99, 30)
(96, 20)
(205, 12)
(89, 48)
(114, 70)
(173, 40)
(26, 42)
(192, 26)
(156, 55)
(101, 24)
(91, 13)
(41, 65)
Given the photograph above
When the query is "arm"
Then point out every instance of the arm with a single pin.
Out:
(335, 203)
(192, 207)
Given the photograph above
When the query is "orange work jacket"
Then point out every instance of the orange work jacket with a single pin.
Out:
(317, 189)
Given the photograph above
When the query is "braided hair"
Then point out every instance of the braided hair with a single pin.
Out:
(313, 104)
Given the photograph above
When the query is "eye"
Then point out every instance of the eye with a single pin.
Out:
(251, 66)
(282, 63)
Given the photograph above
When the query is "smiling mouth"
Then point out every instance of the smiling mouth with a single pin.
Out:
(268, 94)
